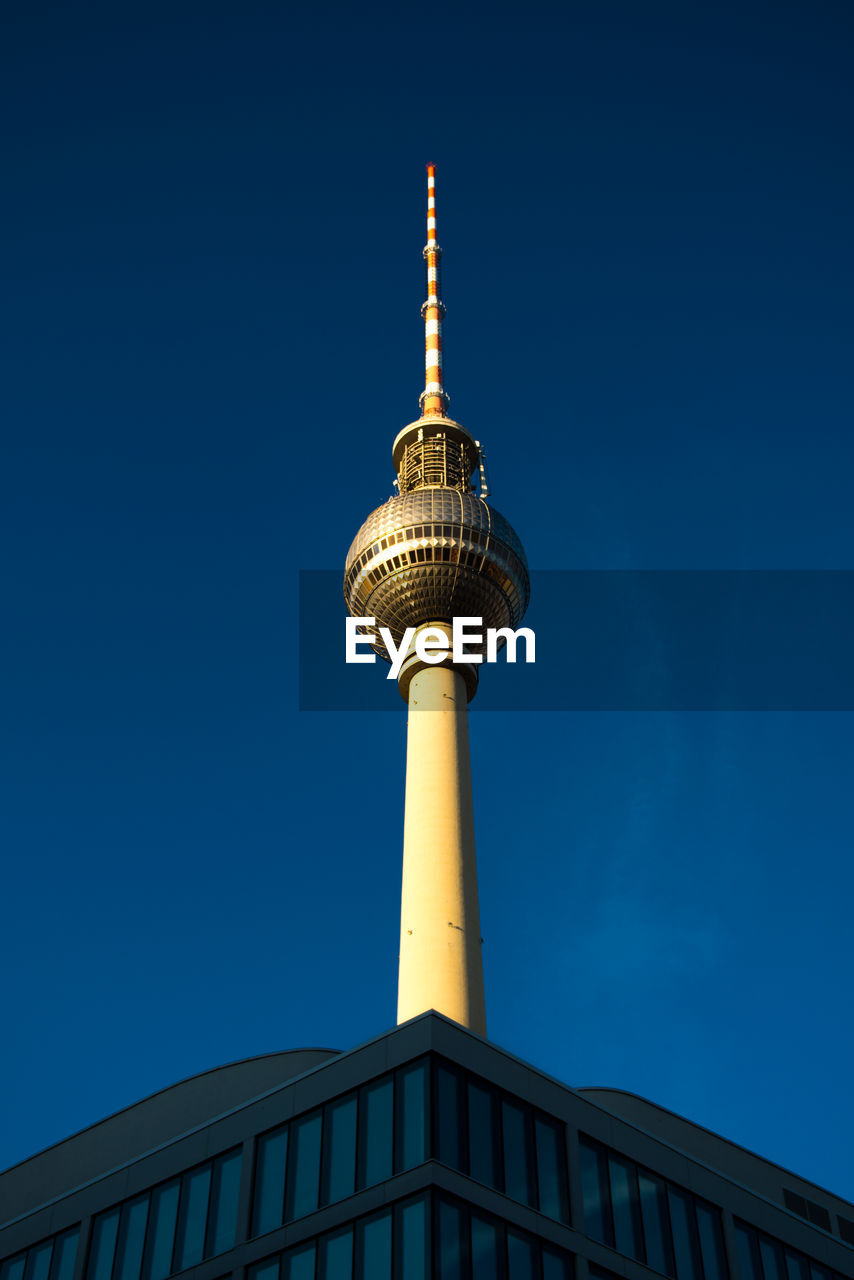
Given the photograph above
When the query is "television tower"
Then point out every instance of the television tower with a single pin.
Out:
(433, 552)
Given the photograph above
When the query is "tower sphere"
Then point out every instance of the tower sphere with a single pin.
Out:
(436, 550)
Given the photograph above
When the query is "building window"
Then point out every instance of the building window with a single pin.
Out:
(174, 1226)
(761, 1257)
(652, 1193)
(161, 1231)
(500, 1140)
(335, 1255)
(374, 1247)
(413, 1129)
(376, 1132)
(625, 1206)
(131, 1239)
(192, 1217)
(339, 1154)
(426, 1109)
(428, 1235)
(225, 1189)
(51, 1259)
(685, 1246)
(270, 1162)
(303, 1186)
(640, 1215)
(411, 1242)
(483, 1135)
(449, 1144)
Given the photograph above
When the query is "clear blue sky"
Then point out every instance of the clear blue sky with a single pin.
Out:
(212, 222)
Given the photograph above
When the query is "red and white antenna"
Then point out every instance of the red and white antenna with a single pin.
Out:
(434, 399)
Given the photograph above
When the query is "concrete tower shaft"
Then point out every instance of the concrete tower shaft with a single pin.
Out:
(440, 945)
(435, 551)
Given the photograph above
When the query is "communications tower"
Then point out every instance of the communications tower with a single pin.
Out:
(434, 551)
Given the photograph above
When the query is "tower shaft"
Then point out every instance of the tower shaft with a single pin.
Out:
(441, 966)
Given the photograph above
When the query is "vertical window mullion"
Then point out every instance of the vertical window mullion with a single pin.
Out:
(468, 1269)
(605, 1195)
(433, 1090)
(531, 1147)
(182, 1192)
(210, 1216)
(498, 1122)
(463, 1121)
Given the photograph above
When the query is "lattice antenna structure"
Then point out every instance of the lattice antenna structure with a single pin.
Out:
(434, 399)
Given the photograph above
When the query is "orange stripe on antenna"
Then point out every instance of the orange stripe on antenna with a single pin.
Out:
(434, 399)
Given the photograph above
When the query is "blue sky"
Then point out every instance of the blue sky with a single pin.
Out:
(211, 231)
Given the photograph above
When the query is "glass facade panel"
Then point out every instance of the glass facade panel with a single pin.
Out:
(14, 1268)
(772, 1259)
(376, 1124)
(299, 1263)
(797, 1267)
(65, 1255)
(486, 1248)
(685, 1250)
(748, 1254)
(412, 1240)
(267, 1270)
(556, 1266)
(304, 1166)
(104, 1232)
(594, 1195)
(131, 1239)
(412, 1116)
(38, 1261)
(450, 1255)
(711, 1242)
(656, 1229)
(449, 1129)
(192, 1217)
(157, 1263)
(395, 1244)
(335, 1256)
(339, 1156)
(373, 1248)
(483, 1126)
(518, 1165)
(627, 1228)
(521, 1257)
(551, 1168)
(225, 1188)
(270, 1182)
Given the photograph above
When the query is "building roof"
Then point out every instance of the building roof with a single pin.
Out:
(146, 1125)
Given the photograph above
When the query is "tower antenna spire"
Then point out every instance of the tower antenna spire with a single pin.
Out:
(434, 399)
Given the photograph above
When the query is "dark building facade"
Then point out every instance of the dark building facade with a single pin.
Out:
(427, 1152)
